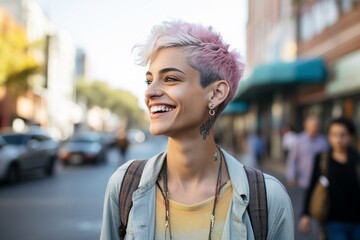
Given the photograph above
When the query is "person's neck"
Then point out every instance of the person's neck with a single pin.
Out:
(340, 155)
(191, 159)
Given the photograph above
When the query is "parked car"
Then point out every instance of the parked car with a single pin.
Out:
(28, 151)
(86, 147)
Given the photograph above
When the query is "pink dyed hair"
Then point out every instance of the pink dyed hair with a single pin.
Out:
(205, 50)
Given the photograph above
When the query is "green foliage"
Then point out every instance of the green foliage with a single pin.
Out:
(16, 63)
(120, 102)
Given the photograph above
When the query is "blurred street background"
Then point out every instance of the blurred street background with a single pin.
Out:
(65, 206)
(71, 99)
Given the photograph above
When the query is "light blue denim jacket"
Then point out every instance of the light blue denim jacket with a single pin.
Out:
(141, 223)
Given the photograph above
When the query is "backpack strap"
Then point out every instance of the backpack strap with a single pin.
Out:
(129, 185)
(257, 208)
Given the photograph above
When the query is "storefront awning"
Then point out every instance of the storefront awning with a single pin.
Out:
(236, 108)
(272, 77)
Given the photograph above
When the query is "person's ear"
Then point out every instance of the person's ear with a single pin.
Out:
(220, 91)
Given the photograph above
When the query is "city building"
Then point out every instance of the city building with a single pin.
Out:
(334, 36)
(263, 100)
(301, 60)
(52, 94)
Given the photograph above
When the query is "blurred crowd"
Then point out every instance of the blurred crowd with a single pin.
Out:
(304, 154)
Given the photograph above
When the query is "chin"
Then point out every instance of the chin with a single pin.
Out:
(154, 130)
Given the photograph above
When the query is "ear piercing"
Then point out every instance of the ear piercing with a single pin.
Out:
(211, 110)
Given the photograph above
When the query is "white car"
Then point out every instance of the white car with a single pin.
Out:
(34, 149)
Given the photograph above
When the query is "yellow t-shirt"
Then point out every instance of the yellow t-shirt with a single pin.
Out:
(193, 221)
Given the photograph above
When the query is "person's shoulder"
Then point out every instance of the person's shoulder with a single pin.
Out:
(280, 211)
(274, 187)
(322, 137)
(277, 196)
(302, 136)
(115, 181)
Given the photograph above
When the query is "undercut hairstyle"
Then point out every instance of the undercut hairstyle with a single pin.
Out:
(205, 51)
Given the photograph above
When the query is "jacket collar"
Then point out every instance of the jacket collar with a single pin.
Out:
(236, 171)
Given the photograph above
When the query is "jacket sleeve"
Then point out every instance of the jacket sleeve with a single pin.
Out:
(111, 213)
(280, 211)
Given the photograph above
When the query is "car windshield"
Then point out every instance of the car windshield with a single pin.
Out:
(16, 139)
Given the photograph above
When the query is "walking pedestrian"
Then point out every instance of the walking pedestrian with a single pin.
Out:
(301, 157)
(244, 153)
(122, 144)
(343, 181)
(300, 163)
(193, 190)
(288, 141)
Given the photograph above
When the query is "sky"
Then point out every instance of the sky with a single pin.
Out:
(108, 29)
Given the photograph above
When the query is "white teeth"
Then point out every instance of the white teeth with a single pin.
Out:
(159, 108)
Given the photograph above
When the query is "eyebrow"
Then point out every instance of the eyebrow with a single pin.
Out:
(165, 70)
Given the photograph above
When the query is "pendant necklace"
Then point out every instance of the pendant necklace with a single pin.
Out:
(165, 194)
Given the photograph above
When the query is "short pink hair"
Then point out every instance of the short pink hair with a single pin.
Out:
(204, 48)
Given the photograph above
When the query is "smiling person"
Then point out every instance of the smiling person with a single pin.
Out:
(193, 190)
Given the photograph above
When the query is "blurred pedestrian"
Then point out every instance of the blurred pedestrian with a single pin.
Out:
(288, 140)
(343, 177)
(122, 143)
(301, 157)
(193, 190)
(244, 154)
(256, 146)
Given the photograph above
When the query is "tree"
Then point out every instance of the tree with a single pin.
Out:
(120, 102)
(16, 63)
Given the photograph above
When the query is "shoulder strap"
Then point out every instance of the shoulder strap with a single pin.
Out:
(257, 208)
(324, 164)
(129, 185)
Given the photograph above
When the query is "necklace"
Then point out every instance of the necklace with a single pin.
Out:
(165, 194)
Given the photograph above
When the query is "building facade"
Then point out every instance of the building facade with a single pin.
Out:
(336, 38)
(301, 60)
(52, 93)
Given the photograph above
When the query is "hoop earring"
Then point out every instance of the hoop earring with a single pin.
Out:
(211, 110)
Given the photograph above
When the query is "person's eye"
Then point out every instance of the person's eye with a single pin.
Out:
(148, 82)
(170, 79)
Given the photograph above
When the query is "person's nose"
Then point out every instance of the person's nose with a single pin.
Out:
(153, 90)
